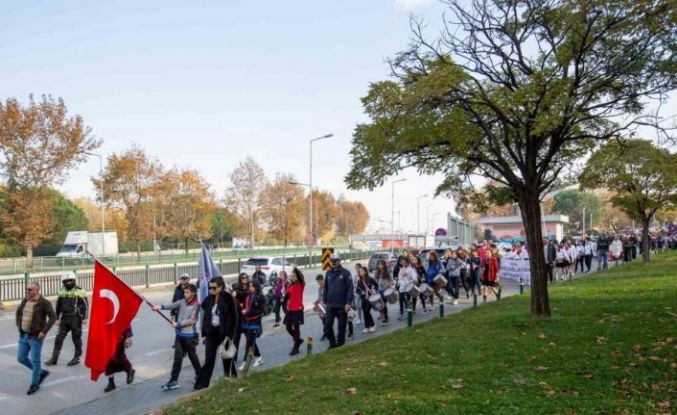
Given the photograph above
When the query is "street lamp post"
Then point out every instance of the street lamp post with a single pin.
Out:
(310, 197)
(103, 217)
(418, 213)
(392, 213)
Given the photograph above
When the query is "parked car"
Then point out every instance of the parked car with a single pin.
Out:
(389, 258)
(270, 266)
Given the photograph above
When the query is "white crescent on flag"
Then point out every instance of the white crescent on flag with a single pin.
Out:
(113, 299)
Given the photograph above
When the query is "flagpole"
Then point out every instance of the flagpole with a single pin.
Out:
(131, 289)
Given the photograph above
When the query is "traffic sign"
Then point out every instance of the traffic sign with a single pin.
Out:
(326, 256)
(310, 241)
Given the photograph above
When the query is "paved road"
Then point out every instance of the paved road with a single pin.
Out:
(69, 390)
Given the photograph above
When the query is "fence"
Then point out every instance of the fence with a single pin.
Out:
(144, 276)
(41, 264)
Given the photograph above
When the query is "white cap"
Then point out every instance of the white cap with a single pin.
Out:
(69, 275)
(335, 257)
(184, 275)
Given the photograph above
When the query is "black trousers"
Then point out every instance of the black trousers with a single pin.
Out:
(579, 261)
(588, 262)
(465, 281)
(211, 347)
(276, 309)
(549, 271)
(336, 313)
(184, 346)
(366, 312)
(72, 323)
(236, 341)
(405, 298)
(454, 286)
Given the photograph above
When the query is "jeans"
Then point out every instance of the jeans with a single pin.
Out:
(454, 286)
(601, 259)
(29, 355)
(184, 345)
(251, 336)
(336, 313)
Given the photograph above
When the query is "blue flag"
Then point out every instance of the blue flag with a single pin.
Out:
(206, 270)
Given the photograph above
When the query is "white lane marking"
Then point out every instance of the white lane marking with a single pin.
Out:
(63, 380)
(155, 352)
(9, 346)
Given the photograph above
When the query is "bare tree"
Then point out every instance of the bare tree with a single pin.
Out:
(243, 195)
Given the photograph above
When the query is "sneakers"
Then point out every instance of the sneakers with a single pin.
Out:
(258, 362)
(401, 317)
(372, 329)
(276, 325)
(454, 302)
(358, 322)
(384, 323)
(425, 311)
(350, 337)
(294, 351)
(51, 362)
(241, 367)
(33, 389)
(169, 386)
(365, 331)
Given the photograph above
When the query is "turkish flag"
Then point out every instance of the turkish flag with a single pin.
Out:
(114, 306)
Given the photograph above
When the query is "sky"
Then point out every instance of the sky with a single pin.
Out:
(204, 84)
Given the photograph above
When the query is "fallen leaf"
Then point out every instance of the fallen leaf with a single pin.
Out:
(383, 364)
(616, 353)
(637, 347)
(241, 390)
(356, 413)
(601, 339)
(669, 340)
(457, 386)
(541, 336)
(290, 378)
(520, 381)
(541, 368)
(654, 358)
(552, 344)
(351, 391)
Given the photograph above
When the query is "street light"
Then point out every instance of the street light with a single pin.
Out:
(418, 213)
(392, 213)
(427, 218)
(103, 217)
(310, 197)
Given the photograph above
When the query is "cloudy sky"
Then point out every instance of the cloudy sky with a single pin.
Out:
(204, 84)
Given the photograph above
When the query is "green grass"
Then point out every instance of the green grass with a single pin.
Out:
(609, 348)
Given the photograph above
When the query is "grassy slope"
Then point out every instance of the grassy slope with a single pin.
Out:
(608, 348)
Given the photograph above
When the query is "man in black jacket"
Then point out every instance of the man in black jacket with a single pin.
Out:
(71, 315)
(337, 297)
(550, 255)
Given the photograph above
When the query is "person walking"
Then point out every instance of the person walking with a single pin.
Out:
(219, 320)
(407, 278)
(454, 265)
(259, 275)
(337, 298)
(490, 278)
(588, 253)
(119, 361)
(319, 279)
(421, 277)
(187, 311)
(34, 318)
(293, 318)
(357, 305)
(384, 281)
(434, 268)
(366, 286)
(616, 249)
(279, 291)
(239, 293)
(475, 264)
(602, 249)
(252, 312)
(71, 315)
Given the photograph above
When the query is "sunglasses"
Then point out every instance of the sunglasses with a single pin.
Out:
(30, 289)
(213, 287)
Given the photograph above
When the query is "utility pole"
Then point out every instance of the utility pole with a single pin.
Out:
(392, 214)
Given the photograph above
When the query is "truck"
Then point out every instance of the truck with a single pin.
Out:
(79, 243)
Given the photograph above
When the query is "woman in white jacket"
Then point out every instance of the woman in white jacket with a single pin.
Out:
(407, 277)
(616, 249)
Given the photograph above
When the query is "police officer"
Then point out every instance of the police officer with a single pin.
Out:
(337, 297)
(71, 314)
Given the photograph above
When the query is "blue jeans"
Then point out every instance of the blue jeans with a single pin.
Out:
(29, 356)
(602, 259)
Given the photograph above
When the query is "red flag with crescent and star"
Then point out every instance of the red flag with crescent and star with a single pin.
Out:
(114, 306)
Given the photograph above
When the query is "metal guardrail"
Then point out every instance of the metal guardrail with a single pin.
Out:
(41, 264)
(144, 276)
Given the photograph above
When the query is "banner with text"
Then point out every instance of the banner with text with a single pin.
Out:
(514, 269)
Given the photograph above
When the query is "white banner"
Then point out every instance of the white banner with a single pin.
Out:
(514, 269)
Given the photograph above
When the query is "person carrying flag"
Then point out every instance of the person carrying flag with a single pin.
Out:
(187, 310)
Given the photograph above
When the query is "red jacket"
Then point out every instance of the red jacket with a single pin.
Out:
(295, 296)
(491, 269)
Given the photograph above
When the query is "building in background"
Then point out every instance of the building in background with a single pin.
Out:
(510, 227)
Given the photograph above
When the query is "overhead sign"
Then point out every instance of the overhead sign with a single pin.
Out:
(441, 232)
(310, 241)
(326, 256)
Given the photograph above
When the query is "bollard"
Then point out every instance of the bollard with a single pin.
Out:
(247, 362)
(441, 309)
(474, 299)
(309, 346)
(521, 286)
(146, 276)
(410, 317)
(221, 265)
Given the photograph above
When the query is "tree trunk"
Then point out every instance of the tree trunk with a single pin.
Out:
(186, 242)
(646, 253)
(530, 207)
(138, 249)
